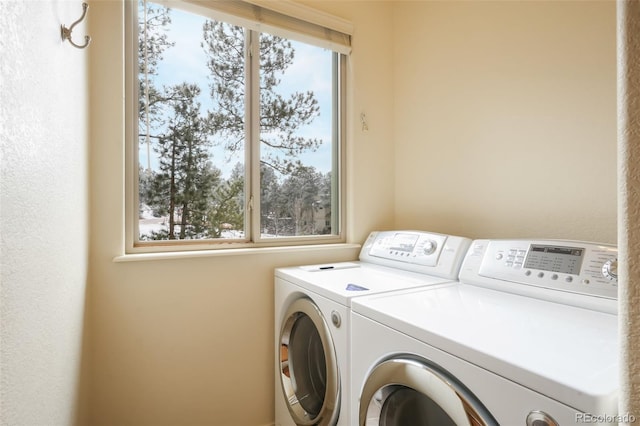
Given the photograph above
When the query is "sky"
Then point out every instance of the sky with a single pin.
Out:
(311, 70)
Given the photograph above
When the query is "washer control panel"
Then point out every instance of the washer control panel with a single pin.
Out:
(415, 247)
(419, 251)
(577, 267)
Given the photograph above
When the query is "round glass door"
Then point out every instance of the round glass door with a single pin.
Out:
(410, 391)
(308, 369)
(405, 406)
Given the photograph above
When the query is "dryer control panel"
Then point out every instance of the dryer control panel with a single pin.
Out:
(419, 251)
(581, 268)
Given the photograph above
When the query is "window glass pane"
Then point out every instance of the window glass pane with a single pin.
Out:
(191, 126)
(297, 138)
(216, 125)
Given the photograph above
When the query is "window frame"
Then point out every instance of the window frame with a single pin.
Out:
(253, 238)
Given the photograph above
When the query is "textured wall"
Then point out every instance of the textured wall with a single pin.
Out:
(629, 201)
(43, 122)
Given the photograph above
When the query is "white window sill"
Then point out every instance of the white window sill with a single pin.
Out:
(143, 257)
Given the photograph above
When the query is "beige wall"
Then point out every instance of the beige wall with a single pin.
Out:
(44, 214)
(189, 341)
(466, 96)
(505, 118)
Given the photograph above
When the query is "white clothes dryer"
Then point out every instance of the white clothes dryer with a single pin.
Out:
(312, 317)
(528, 336)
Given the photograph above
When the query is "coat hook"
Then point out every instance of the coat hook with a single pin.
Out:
(66, 32)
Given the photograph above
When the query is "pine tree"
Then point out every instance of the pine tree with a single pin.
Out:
(153, 23)
(280, 117)
(300, 193)
(185, 173)
(227, 207)
(186, 186)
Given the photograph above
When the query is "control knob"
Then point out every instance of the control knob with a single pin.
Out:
(429, 247)
(610, 269)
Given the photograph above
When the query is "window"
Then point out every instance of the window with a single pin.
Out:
(236, 126)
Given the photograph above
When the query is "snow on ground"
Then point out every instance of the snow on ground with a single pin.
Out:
(148, 224)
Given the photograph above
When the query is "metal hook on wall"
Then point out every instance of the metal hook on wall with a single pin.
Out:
(66, 32)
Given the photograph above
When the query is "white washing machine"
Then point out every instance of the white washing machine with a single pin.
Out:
(527, 337)
(312, 317)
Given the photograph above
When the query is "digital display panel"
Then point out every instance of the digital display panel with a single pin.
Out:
(566, 260)
(404, 242)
